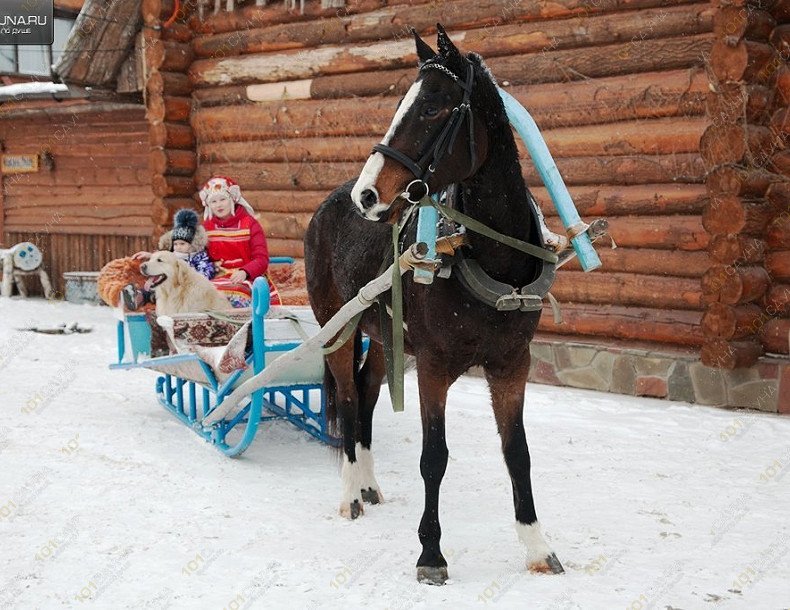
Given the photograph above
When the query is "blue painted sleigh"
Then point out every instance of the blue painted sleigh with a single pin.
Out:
(221, 352)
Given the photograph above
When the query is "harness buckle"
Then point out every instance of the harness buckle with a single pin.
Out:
(520, 301)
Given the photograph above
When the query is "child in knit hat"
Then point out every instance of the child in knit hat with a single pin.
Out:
(188, 241)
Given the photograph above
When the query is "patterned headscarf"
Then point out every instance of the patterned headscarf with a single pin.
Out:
(227, 187)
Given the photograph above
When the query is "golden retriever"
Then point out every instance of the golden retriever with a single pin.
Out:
(179, 288)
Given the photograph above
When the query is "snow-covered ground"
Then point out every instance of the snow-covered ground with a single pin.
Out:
(106, 501)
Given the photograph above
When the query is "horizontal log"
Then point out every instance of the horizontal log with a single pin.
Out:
(728, 322)
(733, 285)
(286, 201)
(627, 289)
(778, 234)
(774, 335)
(85, 176)
(732, 23)
(722, 143)
(778, 265)
(172, 109)
(168, 83)
(731, 249)
(141, 228)
(596, 101)
(729, 355)
(639, 23)
(258, 16)
(178, 56)
(171, 161)
(780, 39)
(732, 102)
(777, 301)
(291, 225)
(552, 66)
(635, 323)
(115, 215)
(747, 61)
(636, 169)
(286, 247)
(778, 195)
(780, 162)
(649, 261)
(171, 135)
(172, 186)
(780, 121)
(684, 233)
(177, 32)
(733, 180)
(641, 199)
(658, 136)
(731, 214)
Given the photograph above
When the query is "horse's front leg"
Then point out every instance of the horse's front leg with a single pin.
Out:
(433, 383)
(507, 398)
(368, 384)
(341, 365)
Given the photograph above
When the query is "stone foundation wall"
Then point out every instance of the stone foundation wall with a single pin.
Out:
(662, 372)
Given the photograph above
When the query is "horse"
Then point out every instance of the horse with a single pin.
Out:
(449, 330)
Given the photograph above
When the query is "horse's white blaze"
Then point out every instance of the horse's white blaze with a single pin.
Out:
(370, 171)
(531, 537)
(365, 460)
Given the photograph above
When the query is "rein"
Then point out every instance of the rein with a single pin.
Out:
(426, 165)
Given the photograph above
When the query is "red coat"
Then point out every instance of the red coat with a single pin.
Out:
(238, 242)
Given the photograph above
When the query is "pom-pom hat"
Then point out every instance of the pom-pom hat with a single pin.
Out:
(222, 186)
(185, 224)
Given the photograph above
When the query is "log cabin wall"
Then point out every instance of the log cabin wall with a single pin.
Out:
(94, 204)
(740, 148)
(775, 332)
(290, 106)
(172, 159)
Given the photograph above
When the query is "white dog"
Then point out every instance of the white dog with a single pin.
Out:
(179, 288)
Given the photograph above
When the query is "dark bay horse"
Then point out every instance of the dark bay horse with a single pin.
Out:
(450, 127)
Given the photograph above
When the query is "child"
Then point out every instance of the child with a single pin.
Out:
(188, 241)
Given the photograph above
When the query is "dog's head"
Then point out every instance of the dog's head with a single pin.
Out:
(163, 266)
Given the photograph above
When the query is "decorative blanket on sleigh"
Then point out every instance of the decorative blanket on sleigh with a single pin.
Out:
(212, 354)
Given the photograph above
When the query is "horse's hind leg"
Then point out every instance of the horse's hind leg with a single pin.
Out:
(341, 364)
(368, 387)
(507, 397)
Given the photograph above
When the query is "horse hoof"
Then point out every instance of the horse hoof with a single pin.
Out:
(548, 565)
(351, 510)
(430, 575)
(373, 496)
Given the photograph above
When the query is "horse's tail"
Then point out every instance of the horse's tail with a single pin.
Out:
(330, 388)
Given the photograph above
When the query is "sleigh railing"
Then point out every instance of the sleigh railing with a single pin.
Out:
(209, 366)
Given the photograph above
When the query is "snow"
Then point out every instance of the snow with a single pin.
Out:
(32, 87)
(106, 501)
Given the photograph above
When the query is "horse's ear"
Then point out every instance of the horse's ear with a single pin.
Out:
(446, 46)
(424, 50)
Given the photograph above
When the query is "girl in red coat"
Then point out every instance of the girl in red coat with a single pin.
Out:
(236, 242)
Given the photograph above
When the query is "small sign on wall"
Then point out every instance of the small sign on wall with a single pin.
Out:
(19, 164)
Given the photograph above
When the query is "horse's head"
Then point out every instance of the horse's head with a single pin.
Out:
(437, 136)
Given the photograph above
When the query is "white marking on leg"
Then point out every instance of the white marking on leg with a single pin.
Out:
(370, 171)
(351, 475)
(532, 539)
(368, 477)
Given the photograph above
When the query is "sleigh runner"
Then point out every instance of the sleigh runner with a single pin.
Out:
(212, 354)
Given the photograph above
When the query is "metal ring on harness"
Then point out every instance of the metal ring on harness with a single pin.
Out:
(407, 195)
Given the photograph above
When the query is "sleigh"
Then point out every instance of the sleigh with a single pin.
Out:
(213, 353)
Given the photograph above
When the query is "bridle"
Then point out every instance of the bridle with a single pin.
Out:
(426, 165)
